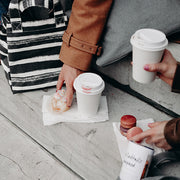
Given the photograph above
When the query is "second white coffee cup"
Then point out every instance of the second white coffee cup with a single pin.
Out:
(148, 46)
(89, 87)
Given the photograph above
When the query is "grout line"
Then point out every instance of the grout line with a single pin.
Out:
(43, 148)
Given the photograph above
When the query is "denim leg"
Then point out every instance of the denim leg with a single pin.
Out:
(3, 6)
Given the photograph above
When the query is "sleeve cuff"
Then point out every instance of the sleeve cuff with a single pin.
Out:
(176, 80)
(172, 132)
(75, 58)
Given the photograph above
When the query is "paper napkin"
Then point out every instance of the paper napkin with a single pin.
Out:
(50, 117)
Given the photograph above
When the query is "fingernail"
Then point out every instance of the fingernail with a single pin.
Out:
(57, 89)
(68, 105)
(146, 67)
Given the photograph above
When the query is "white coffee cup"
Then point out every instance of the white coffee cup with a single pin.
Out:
(136, 162)
(147, 46)
(89, 87)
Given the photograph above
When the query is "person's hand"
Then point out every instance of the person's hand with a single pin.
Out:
(165, 69)
(68, 75)
(154, 135)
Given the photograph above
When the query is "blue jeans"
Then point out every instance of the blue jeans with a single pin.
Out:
(4, 6)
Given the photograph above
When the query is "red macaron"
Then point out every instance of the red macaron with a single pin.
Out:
(126, 123)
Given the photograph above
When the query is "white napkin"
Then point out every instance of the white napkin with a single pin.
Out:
(72, 115)
(123, 142)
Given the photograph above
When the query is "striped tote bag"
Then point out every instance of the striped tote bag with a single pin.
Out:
(30, 41)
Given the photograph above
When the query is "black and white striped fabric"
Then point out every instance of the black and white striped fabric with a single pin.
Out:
(30, 49)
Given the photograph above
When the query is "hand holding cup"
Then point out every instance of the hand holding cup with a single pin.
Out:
(148, 47)
(165, 69)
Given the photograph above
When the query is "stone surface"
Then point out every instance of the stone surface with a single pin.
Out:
(73, 150)
(22, 159)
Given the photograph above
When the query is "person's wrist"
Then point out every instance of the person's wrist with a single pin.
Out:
(176, 84)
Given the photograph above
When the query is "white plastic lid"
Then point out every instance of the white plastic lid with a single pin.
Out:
(149, 39)
(89, 83)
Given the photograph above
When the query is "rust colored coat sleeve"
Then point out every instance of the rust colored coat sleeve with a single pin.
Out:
(172, 128)
(86, 23)
(172, 133)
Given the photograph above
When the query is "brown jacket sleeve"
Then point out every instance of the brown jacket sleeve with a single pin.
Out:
(172, 133)
(176, 81)
(172, 128)
(80, 41)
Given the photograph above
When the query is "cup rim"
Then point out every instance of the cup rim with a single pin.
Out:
(148, 45)
(78, 87)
